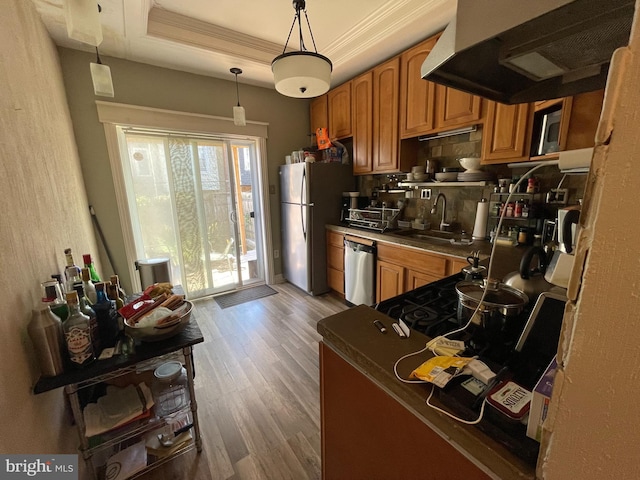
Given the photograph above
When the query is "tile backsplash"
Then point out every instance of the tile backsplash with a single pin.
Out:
(462, 201)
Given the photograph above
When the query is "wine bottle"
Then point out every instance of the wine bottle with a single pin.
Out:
(108, 328)
(88, 263)
(77, 333)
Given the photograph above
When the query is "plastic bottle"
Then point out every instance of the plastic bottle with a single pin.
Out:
(45, 331)
(77, 333)
(88, 263)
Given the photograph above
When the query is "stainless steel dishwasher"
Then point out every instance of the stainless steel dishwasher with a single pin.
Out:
(359, 271)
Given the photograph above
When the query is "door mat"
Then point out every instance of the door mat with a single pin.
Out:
(242, 296)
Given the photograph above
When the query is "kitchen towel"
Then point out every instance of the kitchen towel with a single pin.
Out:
(482, 214)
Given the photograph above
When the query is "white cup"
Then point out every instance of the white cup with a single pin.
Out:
(287, 159)
(409, 177)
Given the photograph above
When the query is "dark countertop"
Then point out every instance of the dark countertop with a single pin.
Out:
(354, 337)
(507, 259)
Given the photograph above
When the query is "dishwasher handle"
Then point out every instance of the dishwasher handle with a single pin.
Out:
(360, 247)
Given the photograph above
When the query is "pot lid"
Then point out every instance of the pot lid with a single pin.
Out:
(498, 294)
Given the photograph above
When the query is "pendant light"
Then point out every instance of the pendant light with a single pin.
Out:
(238, 111)
(101, 76)
(83, 21)
(301, 74)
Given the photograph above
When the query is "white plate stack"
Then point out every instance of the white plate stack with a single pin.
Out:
(475, 176)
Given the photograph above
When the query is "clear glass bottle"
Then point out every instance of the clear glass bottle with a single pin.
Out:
(71, 271)
(115, 279)
(88, 263)
(88, 286)
(170, 388)
(86, 308)
(45, 331)
(52, 295)
(77, 333)
(112, 293)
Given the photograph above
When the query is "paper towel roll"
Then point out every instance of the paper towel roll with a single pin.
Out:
(482, 214)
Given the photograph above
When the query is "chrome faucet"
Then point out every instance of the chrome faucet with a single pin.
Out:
(444, 226)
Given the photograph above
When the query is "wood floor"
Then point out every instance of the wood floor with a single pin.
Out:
(257, 387)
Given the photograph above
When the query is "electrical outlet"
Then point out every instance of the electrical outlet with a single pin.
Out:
(558, 196)
(276, 254)
(425, 194)
(272, 189)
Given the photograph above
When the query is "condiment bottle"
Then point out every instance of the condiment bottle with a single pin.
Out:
(45, 330)
(509, 212)
(77, 333)
(517, 209)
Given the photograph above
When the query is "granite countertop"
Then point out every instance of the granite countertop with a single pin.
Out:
(507, 258)
(354, 337)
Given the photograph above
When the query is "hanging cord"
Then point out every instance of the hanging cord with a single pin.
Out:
(484, 292)
(237, 89)
(310, 31)
(98, 61)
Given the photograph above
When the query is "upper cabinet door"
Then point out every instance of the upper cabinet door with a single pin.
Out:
(362, 103)
(417, 96)
(456, 108)
(340, 111)
(386, 82)
(507, 132)
(318, 111)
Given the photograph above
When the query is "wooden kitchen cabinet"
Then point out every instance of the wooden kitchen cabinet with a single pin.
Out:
(362, 120)
(426, 107)
(507, 132)
(339, 100)
(386, 91)
(417, 96)
(400, 269)
(455, 108)
(366, 433)
(335, 261)
(319, 113)
(390, 280)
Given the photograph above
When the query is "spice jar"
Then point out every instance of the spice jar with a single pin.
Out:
(169, 388)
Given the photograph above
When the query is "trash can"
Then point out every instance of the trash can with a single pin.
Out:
(153, 270)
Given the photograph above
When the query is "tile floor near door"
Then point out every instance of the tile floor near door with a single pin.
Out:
(257, 387)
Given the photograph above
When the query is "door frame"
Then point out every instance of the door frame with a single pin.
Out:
(112, 115)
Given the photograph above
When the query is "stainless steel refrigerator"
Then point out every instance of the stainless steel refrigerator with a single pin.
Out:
(311, 197)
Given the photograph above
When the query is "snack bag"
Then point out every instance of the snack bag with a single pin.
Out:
(439, 370)
(322, 136)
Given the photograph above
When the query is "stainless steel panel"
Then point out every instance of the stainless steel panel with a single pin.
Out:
(296, 245)
(359, 274)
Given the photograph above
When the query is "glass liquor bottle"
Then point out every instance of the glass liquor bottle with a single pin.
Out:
(88, 286)
(86, 308)
(88, 263)
(71, 271)
(108, 328)
(77, 333)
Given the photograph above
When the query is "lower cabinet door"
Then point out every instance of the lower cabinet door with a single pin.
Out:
(390, 280)
(417, 279)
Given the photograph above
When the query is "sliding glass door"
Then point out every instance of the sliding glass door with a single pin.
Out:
(193, 199)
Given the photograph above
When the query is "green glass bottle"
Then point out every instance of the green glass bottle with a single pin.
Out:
(88, 263)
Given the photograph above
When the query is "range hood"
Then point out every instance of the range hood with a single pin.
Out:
(523, 51)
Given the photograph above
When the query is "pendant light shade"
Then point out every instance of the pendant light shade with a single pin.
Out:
(239, 118)
(101, 77)
(83, 21)
(301, 74)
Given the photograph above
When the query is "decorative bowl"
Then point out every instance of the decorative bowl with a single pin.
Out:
(470, 163)
(420, 177)
(156, 333)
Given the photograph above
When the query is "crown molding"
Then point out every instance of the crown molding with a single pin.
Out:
(189, 31)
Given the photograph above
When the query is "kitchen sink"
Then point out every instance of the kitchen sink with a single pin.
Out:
(430, 235)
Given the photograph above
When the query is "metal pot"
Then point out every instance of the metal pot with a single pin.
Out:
(530, 280)
(501, 304)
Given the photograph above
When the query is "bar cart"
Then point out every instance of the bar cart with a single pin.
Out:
(146, 355)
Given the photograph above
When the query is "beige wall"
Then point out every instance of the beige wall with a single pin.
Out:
(44, 210)
(139, 84)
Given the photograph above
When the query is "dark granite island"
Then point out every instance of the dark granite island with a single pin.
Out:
(376, 427)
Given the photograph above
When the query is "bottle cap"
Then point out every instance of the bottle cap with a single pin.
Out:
(86, 258)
